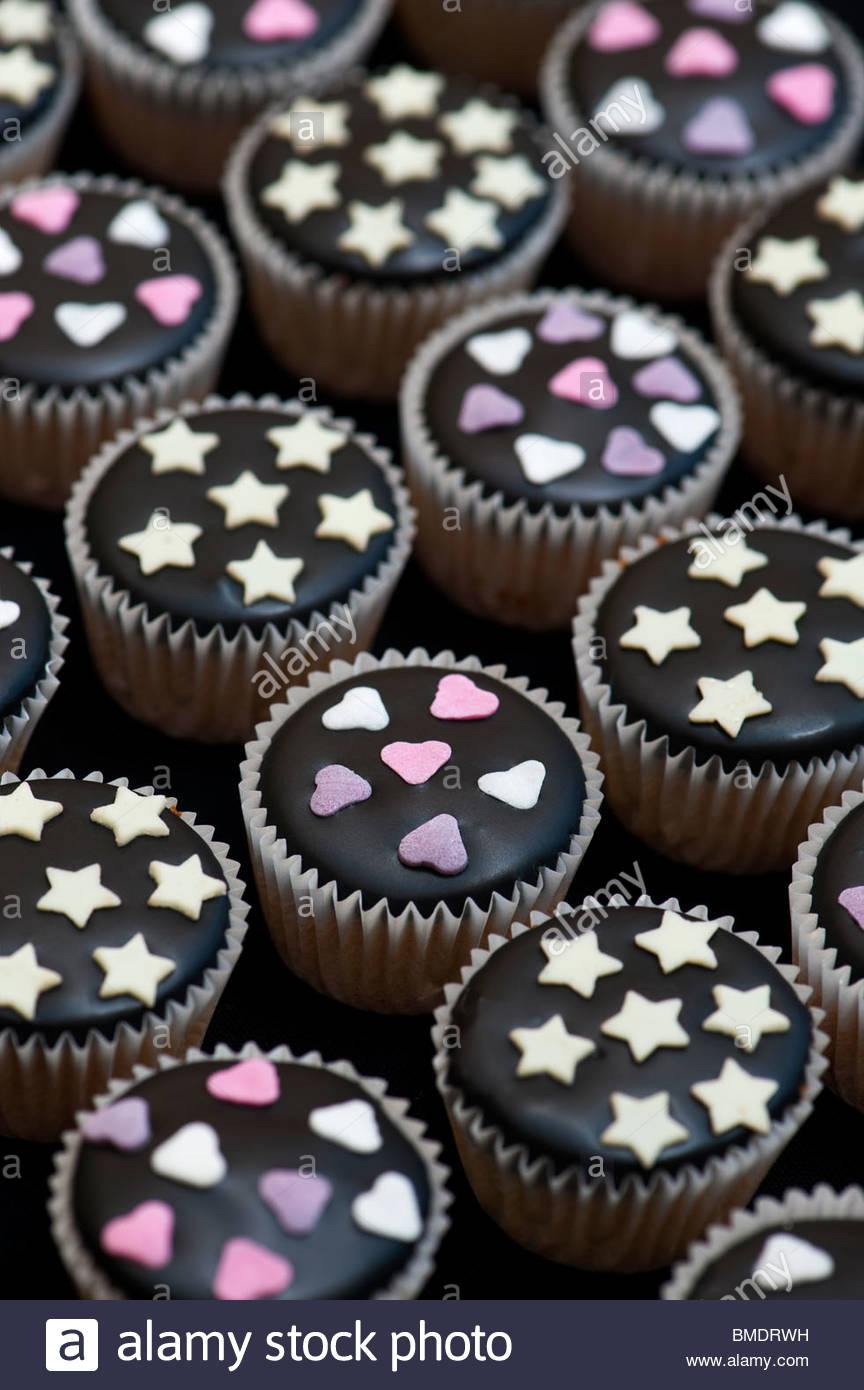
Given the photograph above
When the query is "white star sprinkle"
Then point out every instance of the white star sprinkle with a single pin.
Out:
(25, 21)
(312, 124)
(353, 519)
(404, 91)
(784, 265)
(23, 979)
(265, 575)
(843, 203)
(644, 1025)
(247, 500)
(550, 1050)
(162, 543)
(838, 322)
(643, 1125)
(77, 893)
(479, 126)
(766, 618)
(133, 970)
(510, 181)
(844, 664)
(680, 941)
(578, 964)
(736, 1098)
(303, 188)
(657, 633)
(22, 76)
(402, 157)
(730, 565)
(728, 703)
(130, 815)
(745, 1015)
(22, 813)
(376, 233)
(177, 448)
(464, 222)
(843, 578)
(308, 444)
(184, 887)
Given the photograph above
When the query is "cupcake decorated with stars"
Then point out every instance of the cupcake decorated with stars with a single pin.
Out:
(40, 77)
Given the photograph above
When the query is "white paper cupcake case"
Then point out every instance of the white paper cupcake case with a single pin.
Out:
(822, 1204)
(17, 729)
(363, 954)
(34, 153)
(643, 1222)
(699, 812)
(201, 686)
(177, 125)
(656, 231)
(91, 1282)
(354, 335)
(42, 1084)
(501, 41)
(515, 563)
(47, 435)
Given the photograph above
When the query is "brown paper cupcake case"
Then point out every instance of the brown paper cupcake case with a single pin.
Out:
(17, 728)
(352, 334)
(656, 231)
(47, 435)
(598, 1223)
(822, 1204)
(501, 41)
(362, 953)
(514, 563)
(406, 1284)
(200, 685)
(177, 125)
(42, 1084)
(34, 153)
(701, 813)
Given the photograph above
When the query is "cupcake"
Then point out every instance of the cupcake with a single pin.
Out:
(557, 427)
(40, 75)
(115, 300)
(366, 219)
(222, 551)
(246, 1176)
(499, 41)
(130, 918)
(789, 313)
(32, 642)
(678, 118)
(807, 1246)
(721, 681)
(398, 809)
(621, 1079)
(172, 86)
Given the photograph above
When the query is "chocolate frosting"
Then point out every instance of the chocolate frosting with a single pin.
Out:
(25, 639)
(843, 1240)
(840, 865)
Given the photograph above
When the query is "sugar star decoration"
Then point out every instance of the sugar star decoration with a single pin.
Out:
(376, 233)
(838, 322)
(25, 21)
(464, 222)
(307, 444)
(784, 265)
(729, 703)
(550, 1050)
(403, 91)
(23, 979)
(643, 1125)
(658, 634)
(578, 964)
(479, 126)
(184, 887)
(510, 181)
(132, 969)
(312, 124)
(736, 1098)
(162, 543)
(745, 1015)
(730, 565)
(353, 519)
(22, 76)
(247, 500)
(843, 203)
(680, 941)
(178, 449)
(765, 618)
(303, 188)
(402, 157)
(22, 813)
(77, 894)
(130, 815)
(843, 578)
(644, 1025)
(265, 575)
(844, 664)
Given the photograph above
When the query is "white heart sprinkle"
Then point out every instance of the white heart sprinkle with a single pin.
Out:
(519, 786)
(361, 708)
(191, 1156)
(793, 1260)
(630, 108)
(352, 1124)
(389, 1209)
(10, 256)
(9, 612)
(139, 224)
(794, 28)
(635, 337)
(88, 324)
(183, 35)
(686, 427)
(501, 353)
(544, 459)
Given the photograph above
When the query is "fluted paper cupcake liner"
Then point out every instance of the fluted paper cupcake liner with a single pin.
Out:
(501, 41)
(701, 812)
(42, 1084)
(405, 1284)
(201, 685)
(177, 125)
(641, 1222)
(525, 565)
(33, 154)
(17, 728)
(822, 1204)
(363, 953)
(48, 435)
(654, 230)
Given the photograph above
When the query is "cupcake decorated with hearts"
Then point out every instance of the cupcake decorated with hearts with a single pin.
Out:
(40, 78)
(500, 41)
(32, 646)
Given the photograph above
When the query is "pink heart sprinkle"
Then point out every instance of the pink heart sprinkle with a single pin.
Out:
(336, 787)
(719, 127)
(145, 1235)
(457, 697)
(169, 297)
(270, 20)
(669, 379)
(14, 309)
(125, 1124)
(247, 1270)
(487, 408)
(622, 24)
(587, 382)
(297, 1200)
(436, 845)
(806, 92)
(627, 455)
(80, 259)
(853, 901)
(416, 762)
(253, 1082)
(727, 11)
(565, 323)
(701, 53)
(50, 209)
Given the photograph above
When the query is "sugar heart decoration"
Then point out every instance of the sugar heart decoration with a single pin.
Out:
(458, 697)
(416, 762)
(170, 297)
(10, 256)
(336, 787)
(701, 53)
(86, 325)
(437, 845)
(139, 224)
(686, 427)
(519, 786)
(720, 127)
(501, 353)
(668, 378)
(567, 323)
(352, 1124)
(543, 460)
(632, 97)
(183, 35)
(247, 1270)
(803, 1262)
(50, 209)
(297, 1200)
(389, 1209)
(636, 337)
(268, 21)
(10, 612)
(80, 259)
(361, 708)
(621, 25)
(795, 28)
(805, 92)
(144, 1235)
(628, 455)
(726, 11)
(15, 307)
(254, 1081)
(586, 381)
(125, 1124)
(487, 408)
(191, 1156)
(853, 901)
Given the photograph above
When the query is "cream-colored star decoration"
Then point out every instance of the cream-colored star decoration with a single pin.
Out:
(843, 578)
(376, 233)
(22, 76)
(132, 969)
(680, 941)
(303, 188)
(265, 575)
(784, 265)
(728, 565)
(843, 203)
(177, 448)
(736, 1098)
(838, 322)
(77, 893)
(404, 91)
(402, 157)
(308, 444)
(184, 887)
(130, 815)
(247, 500)
(550, 1050)
(23, 979)
(766, 618)
(728, 703)
(577, 964)
(745, 1015)
(22, 813)
(509, 181)
(643, 1125)
(465, 223)
(844, 664)
(644, 1025)
(25, 21)
(311, 124)
(162, 543)
(657, 633)
(479, 126)
(353, 519)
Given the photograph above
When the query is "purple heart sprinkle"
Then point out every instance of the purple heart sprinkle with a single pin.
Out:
(853, 901)
(79, 259)
(487, 408)
(437, 845)
(337, 787)
(297, 1200)
(667, 378)
(719, 127)
(628, 455)
(125, 1124)
(729, 11)
(565, 323)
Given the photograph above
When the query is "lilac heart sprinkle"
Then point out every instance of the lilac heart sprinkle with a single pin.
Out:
(628, 456)
(125, 1124)
(722, 10)
(667, 378)
(487, 408)
(79, 259)
(853, 901)
(719, 127)
(437, 845)
(565, 323)
(297, 1200)
(337, 787)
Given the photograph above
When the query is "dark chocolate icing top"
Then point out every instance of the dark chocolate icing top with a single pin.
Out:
(25, 636)
(742, 1271)
(30, 64)
(840, 868)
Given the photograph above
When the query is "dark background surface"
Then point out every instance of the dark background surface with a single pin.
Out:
(84, 730)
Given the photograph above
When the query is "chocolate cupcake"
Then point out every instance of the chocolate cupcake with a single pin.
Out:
(115, 300)
(182, 1180)
(557, 427)
(222, 551)
(367, 218)
(40, 76)
(32, 642)
(616, 1080)
(130, 919)
(400, 809)
(501, 41)
(167, 81)
(721, 680)
(681, 117)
